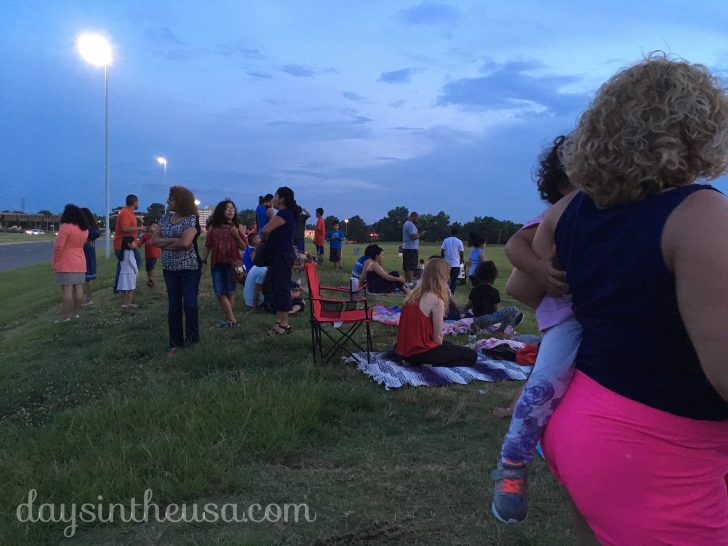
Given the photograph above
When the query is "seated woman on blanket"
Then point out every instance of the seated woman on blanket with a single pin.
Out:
(420, 336)
(377, 280)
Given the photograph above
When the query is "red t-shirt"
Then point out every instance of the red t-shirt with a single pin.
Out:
(126, 219)
(150, 251)
(414, 335)
(319, 234)
(224, 247)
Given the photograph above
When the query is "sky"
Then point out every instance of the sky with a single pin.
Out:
(359, 107)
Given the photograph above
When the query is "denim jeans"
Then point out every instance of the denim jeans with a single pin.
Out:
(505, 316)
(544, 389)
(454, 273)
(182, 289)
(137, 258)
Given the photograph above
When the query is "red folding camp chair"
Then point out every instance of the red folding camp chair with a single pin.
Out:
(345, 316)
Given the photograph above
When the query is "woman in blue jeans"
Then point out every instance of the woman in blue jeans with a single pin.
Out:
(177, 237)
(278, 236)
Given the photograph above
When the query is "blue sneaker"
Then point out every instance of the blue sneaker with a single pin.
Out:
(510, 501)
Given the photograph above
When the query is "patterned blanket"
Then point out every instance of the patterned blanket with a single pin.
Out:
(390, 317)
(386, 369)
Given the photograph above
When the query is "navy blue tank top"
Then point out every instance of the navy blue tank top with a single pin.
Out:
(634, 341)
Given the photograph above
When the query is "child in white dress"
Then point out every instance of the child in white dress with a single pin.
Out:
(128, 272)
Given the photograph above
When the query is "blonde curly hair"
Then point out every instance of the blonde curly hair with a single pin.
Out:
(659, 124)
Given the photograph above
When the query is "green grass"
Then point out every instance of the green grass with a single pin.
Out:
(94, 407)
(24, 237)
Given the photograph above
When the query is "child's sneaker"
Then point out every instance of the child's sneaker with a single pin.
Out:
(518, 320)
(510, 501)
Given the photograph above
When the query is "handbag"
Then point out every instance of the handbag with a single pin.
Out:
(261, 255)
(240, 274)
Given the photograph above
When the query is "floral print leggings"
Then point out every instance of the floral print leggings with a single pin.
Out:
(544, 389)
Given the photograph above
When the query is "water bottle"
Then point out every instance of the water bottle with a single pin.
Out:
(354, 288)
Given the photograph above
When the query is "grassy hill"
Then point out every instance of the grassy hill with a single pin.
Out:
(95, 408)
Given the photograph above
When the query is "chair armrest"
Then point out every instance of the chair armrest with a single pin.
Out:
(334, 288)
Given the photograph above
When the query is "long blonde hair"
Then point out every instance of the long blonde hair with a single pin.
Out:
(435, 279)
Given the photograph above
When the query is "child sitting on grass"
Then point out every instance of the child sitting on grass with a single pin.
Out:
(128, 272)
(484, 299)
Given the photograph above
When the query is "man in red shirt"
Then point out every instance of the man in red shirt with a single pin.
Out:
(126, 226)
(319, 234)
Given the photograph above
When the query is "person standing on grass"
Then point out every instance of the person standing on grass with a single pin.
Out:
(128, 273)
(225, 239)
(126, 226)
(151, 252)
(320, 234)
(89, 250)
(278, 237)
(264, 211)
(477, 254)
(181, 265)
(410, 247)
(420, 337)
(335, 237)
(69, 261)
(640, 438)
(453, 252)
(303, 216)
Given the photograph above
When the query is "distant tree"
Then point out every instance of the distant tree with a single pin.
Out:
(155, 211)
(45, 212)
(495, 231)
(357, 229)
(247, 217)
(437, 226)
(389, 228)
(329, 220)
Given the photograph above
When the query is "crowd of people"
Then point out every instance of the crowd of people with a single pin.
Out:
(624, 270)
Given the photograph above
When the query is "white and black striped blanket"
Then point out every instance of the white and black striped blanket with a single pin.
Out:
(386, 369)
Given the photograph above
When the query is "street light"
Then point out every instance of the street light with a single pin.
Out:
(163, 162)
(346, 227)
(96, 50)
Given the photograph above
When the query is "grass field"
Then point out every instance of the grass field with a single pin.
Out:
(24, 237)
(94, 408)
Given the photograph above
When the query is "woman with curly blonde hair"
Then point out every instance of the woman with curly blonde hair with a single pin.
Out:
(420, 336)
(640, 440)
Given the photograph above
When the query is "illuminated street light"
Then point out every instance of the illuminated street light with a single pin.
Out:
(96, 50)
(163, 162)
(346, 227)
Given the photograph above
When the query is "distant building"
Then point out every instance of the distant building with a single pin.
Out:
(28, 221)
(205, 213)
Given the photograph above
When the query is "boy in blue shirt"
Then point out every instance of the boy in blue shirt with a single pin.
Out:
(335, 238)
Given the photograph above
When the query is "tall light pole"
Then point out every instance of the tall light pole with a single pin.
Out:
(163, 162)
(346, 228)
(96, 50)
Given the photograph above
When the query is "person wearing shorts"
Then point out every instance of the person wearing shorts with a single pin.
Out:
(335, 238)
(410, 247)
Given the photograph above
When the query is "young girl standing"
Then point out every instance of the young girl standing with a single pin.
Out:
(128, 272)
(225, 239)
(477, 254)
(420, 336)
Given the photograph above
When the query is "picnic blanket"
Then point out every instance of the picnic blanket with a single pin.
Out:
(386, 369)
(390, 317)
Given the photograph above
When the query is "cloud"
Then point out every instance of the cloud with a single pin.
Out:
(300, 71)
(348, 95)
(513, 84)
(162, 37)
(227, 50)
(398, 76)
(259, 75)
(430, 14)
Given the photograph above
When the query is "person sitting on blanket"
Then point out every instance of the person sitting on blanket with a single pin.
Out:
(361, 263)
(420, 334)
(484, 299)
(377, 280)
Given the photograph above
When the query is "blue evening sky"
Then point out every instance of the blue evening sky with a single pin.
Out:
(359, 106)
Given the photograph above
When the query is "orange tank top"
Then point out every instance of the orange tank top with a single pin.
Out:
(414, 335)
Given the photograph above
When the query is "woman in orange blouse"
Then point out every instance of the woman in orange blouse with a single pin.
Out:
(69, 261)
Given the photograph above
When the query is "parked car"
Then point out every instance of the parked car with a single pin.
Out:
(35, 232)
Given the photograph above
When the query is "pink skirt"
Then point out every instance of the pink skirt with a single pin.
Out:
(639, 475)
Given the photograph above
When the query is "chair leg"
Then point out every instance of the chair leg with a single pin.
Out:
(313, 340)
(369, 343)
